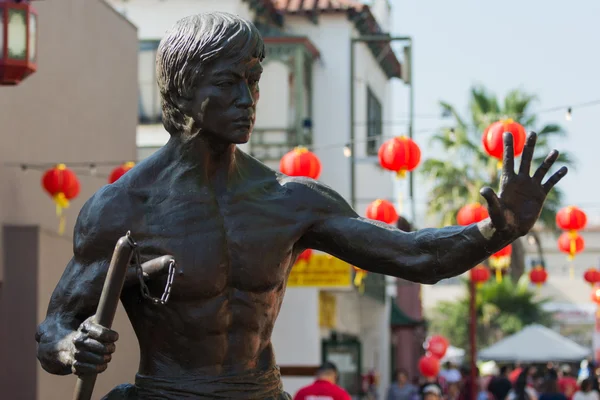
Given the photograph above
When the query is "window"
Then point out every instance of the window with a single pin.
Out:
(150, 111)
(374, 123)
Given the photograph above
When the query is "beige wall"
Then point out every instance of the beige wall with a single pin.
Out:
(80, 106)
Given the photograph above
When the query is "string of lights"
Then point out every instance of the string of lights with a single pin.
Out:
(90, 167)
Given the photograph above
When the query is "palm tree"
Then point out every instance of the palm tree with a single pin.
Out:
(502, 309)
(459, 176)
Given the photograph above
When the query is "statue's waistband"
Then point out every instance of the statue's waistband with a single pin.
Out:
(252, 385)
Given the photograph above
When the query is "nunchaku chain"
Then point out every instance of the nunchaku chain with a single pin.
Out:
(140, 274)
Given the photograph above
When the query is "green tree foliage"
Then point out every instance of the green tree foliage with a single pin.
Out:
(466, 168)
(502, 309)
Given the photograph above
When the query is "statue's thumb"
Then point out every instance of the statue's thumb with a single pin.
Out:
(494, 206)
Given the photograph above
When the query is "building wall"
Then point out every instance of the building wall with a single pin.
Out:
(81, 105)
(154, 17)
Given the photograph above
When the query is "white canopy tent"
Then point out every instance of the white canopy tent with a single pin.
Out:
(535, 344)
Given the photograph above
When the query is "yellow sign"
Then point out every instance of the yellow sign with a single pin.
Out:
(322, 270)
(327, 308)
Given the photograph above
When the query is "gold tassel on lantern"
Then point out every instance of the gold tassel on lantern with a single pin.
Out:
(359, 276)
(572, 252)
(401, 174)
(61, 203)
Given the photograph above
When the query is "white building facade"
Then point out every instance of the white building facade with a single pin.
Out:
(304, 100)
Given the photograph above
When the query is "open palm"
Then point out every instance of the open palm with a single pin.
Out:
(521, 196)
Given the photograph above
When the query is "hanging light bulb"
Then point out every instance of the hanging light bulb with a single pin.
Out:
(347, 151)
(24, 168)
(568, 115)
(93, 170)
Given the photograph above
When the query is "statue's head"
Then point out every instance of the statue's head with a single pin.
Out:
(208, 67)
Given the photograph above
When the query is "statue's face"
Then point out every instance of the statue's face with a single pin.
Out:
(224, 105)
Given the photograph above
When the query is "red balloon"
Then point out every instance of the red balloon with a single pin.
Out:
(493, 141)
(437, 346)
(429, 366)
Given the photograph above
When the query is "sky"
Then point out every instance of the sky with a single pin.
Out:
(547, 47)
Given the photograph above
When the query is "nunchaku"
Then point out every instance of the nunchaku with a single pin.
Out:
(125, 249)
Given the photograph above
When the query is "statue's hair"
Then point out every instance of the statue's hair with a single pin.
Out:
(190, 46)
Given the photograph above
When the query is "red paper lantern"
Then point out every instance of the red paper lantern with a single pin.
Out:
(382, 210)
(300, 162)
(571, 219)
(500, 261)
(400, 155)
(437, 346)
(480, 275)
(595, 295)
(571, 243)
(120, 171)
(62, 185)
(18, 41)
(305, 255)
(471, 214)
(493, 141)
(429, 366)
(538, 276)
(592, 276)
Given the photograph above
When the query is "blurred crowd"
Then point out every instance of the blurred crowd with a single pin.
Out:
(507, 382)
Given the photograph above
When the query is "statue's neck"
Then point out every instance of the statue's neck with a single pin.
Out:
(206, 158)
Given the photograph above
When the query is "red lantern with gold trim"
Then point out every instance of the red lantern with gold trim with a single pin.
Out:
(500, 261)
(571, 243)
(571, 218)
(429, 366)
(538, 276)
(493, 141)
(120, 171)
(18, 41)
(301, 162)
(480, 274)
(382, 210)
(592, 276)
(400, 154)
(63, 186)
(471, 214)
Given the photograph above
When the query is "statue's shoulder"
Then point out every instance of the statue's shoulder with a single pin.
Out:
(103, 219)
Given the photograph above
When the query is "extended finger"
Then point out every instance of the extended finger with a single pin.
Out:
(528, 154)
(494, 206)
(100, 333)
(508, 162)
(91, 358)
(545, 167)
(555, 178)
(94, 346)
(81, 369)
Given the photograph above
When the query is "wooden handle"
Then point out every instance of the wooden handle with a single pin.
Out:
(107, 307)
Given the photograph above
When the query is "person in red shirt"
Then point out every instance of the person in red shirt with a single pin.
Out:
(324, 387)
(567, 384)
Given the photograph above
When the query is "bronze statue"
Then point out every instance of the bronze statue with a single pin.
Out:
(235, 228)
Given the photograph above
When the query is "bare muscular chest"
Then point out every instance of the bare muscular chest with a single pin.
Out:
(223, 242)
